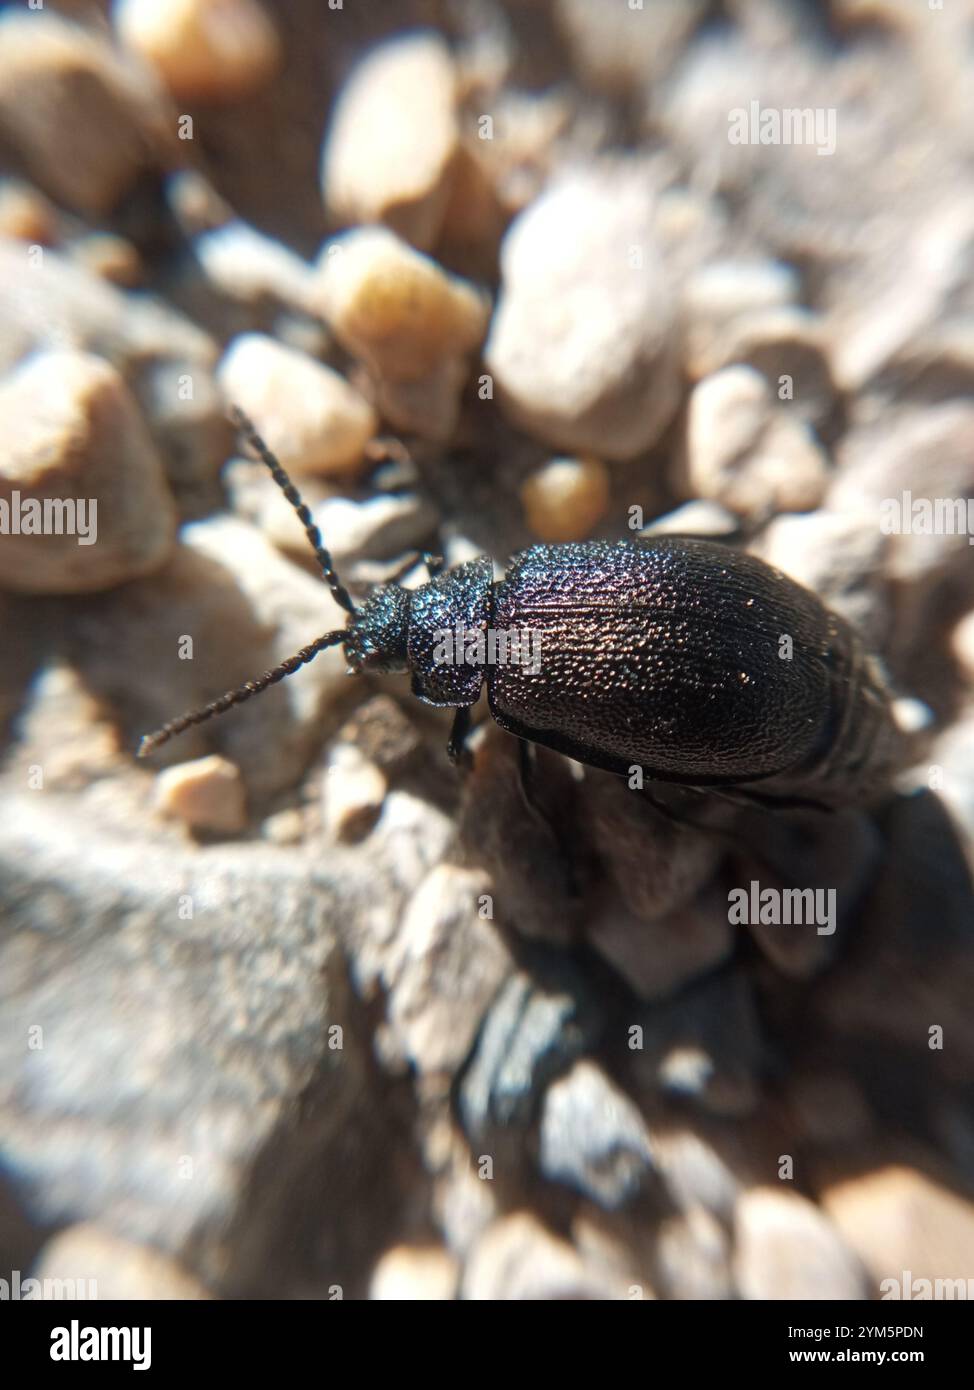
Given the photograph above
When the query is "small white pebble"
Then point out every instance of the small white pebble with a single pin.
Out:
(284, 827)
(747, 454)
(353, 792)
(912, 716)
(410, 1273)
(697, 518)
(244, 264)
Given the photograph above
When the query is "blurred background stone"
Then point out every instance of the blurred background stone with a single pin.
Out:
(581, 343)
(76, 447)
(203, 50)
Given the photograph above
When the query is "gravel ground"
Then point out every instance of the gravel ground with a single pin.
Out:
(294, 1008)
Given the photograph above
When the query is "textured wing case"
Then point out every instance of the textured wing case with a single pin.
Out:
(668, 654)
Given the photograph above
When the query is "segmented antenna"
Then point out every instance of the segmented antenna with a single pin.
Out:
(150, 742)
(246, 428)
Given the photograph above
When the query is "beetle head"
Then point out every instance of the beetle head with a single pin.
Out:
(376, 636)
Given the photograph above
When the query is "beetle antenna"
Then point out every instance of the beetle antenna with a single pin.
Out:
(246, 427)
(150, 742)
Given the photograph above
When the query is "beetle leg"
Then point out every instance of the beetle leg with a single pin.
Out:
(457, 745)
(434, 566)
(525, 762)
(766, 802)
(680, 814)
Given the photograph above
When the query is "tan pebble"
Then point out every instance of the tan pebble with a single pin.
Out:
(354, 791)
(566, 498)
(410, 1273)
(962, 644)
(394, 307)
(473, 220)
(207, 50)
(77, 454)
(111, 258)
(310, 416)
(206, 794)
(518, 1259)
(84, 122)
(620, 46)
(393, 139)
(25, 214)
(898, 1220)
(107, 1267)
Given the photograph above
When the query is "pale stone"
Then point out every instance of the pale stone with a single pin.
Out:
(413, 1273)
(84, 122)
(97, 1264)
(246, 265)
(747, 455)
(900, 1222)
(203, 50)
(353, 792)
(207, 794)
(786, 1248)
(581, 345)
(309, 415)
(393, 140)
(75, 440)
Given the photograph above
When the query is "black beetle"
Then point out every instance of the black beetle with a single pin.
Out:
(695, 663)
